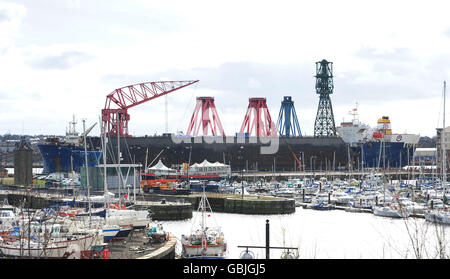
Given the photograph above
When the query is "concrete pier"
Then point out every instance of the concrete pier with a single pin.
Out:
(166, 251)
(236, 204)
(166, 211)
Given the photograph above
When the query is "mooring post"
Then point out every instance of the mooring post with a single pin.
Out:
(267, 240)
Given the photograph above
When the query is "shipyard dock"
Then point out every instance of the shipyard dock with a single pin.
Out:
(224, 203)
(165, 207)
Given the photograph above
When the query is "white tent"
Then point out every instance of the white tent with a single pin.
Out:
(161, 168)
(194, 165)
(205, 164)
(210, 168)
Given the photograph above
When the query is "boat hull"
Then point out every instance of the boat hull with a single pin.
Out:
(240, 153)
(196, 251)
(61, 158)
(109, 234)
(398, 154)
(57, 249)
(388, 212)
(439, 218)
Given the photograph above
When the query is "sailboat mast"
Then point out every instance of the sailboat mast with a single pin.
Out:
(73, 176)
(119, 171)
(444, 159)
(87, 170)
(203, 209)
(105, 185)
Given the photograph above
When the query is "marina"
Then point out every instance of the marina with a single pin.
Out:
(318, 204)
(233, 131)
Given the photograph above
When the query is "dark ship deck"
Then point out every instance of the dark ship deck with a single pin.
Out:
(240, 153)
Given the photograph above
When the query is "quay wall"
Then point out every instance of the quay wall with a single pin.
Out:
(166, 211)
(170, 207)
(248, 205)
(28, 201)
(165, 252)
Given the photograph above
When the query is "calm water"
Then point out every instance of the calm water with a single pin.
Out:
(323, 234)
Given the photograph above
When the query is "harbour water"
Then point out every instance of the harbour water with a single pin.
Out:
(334, 234)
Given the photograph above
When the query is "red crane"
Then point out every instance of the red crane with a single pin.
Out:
(262, 123)
(133, 95)
(208, 109)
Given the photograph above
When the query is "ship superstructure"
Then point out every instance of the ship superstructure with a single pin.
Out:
(378, 147)
(67, 154)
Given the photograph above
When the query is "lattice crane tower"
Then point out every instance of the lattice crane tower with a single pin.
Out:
(287, 124)
(324, 125)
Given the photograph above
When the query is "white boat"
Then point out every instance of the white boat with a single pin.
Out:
(205, 241)
(111, 217)
(437, 211)
(285, 193)
(320, 205)
(140, 218)
(438, 216)
(339, 197)
(50, 241)
(7, 220)
(110, 231)
(411, 206)
(363, 202)
(322, 197)
(391, 211)
(125, 224)
(435, 204)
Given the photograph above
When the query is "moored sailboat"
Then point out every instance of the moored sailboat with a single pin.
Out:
(205, 242)
(438, 214)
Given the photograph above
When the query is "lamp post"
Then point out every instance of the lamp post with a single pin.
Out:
(267, 247)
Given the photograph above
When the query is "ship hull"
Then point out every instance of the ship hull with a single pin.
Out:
(393, 155)
(242, 154)
(65, 158)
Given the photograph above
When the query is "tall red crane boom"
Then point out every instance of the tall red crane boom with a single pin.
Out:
(133, 95)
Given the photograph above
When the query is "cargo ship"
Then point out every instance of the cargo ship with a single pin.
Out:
(67, 154)
(378, 147)
(242, 154)
(357, 145)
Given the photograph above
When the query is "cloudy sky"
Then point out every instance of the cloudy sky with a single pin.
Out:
(59, 58)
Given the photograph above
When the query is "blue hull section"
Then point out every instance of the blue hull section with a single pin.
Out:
(396, 154)
(57, 158)
(110, 237)
(123, 234)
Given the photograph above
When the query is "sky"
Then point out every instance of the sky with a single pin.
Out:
(60, 58)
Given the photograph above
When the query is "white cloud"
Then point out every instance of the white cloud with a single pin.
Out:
(74, 4)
